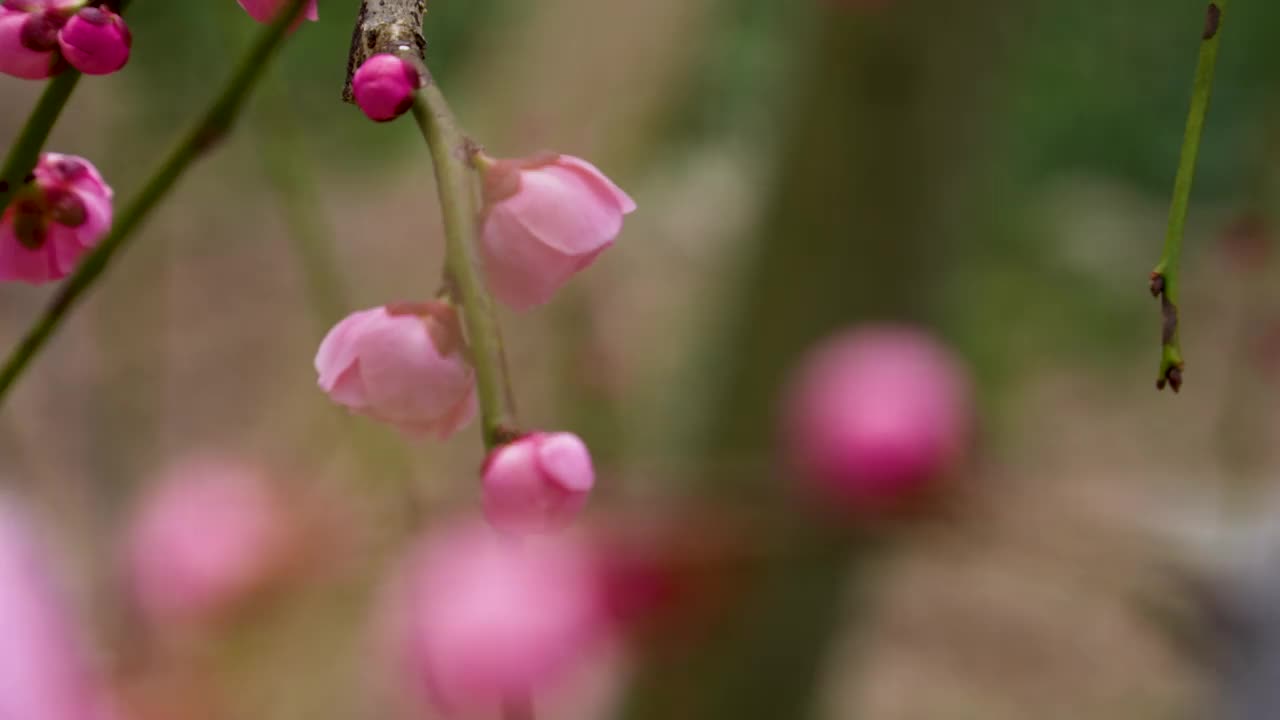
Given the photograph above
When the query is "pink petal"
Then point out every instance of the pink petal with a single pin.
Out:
(602, 182)
(565, 209)
(566, 459)
(338, 351)
(19, 263)
(523, 271)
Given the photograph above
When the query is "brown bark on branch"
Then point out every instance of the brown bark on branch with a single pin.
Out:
(387, 26)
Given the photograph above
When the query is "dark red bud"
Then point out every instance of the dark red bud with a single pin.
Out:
(66, 208)
(30, 225)
(40, 32)
(67, 169)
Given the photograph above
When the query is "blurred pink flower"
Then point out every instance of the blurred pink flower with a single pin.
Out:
(384, 86)
(54, 220)
(264, 11)
(95, 41)
(875, 414)
(45, 667)
(29, 38)
(403, 365)
(206, 539)
(475, 617)
(545, 219)
(538, 483)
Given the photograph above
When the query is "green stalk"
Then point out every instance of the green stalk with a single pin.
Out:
(450, 150)
(212, 126)
(25, 150)
(1166, 280)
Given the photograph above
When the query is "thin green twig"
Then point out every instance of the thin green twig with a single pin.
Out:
(450, 153)
(26, 148)
(212, 126)
(1166, 278)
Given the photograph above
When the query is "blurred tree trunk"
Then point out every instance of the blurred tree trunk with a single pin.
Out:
(878, 176)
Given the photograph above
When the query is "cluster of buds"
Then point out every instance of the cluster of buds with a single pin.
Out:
(483, 610)
(41, 38)
(543, 220)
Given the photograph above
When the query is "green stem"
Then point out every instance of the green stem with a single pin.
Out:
(450, 153)
(25, 150)
(1166, 278)
(212, 126)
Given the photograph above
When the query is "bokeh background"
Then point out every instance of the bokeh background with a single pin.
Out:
(998, 171)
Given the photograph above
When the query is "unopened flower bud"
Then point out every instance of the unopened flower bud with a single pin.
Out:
(384, 86)
(95, 41)
(877, 415)
(545, 219)
(208, 537)
(403, 365)
(475, 617)
(537, 483)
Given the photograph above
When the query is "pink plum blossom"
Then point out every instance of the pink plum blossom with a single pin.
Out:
(205, 539)
(264, 11)
(545, 219)
(403, 365)
(874, 415)
(95, 41)
(537, 483)
(384, 86)
(475, 617)
(46, 670)
(54, 220)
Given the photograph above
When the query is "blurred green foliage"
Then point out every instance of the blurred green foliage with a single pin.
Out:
(183, 49)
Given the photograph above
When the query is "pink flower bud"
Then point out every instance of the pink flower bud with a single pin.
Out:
(538, 483)
(54, 220)
(207, 538)
(545, 219)
(264, 11)
(402, 365)
(95, 41)
(874, 415)
(45, 668)
(475, 617)
(29, 42)
(384, 86)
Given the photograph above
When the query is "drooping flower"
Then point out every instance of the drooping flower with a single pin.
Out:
(545, 219)
(264, 11)
(54, 220)
(46, 670)
(207, 538)
(875, 415)
(403, 365)
(475, 617)
(96, 41)
(537, 483)
(384, 86)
